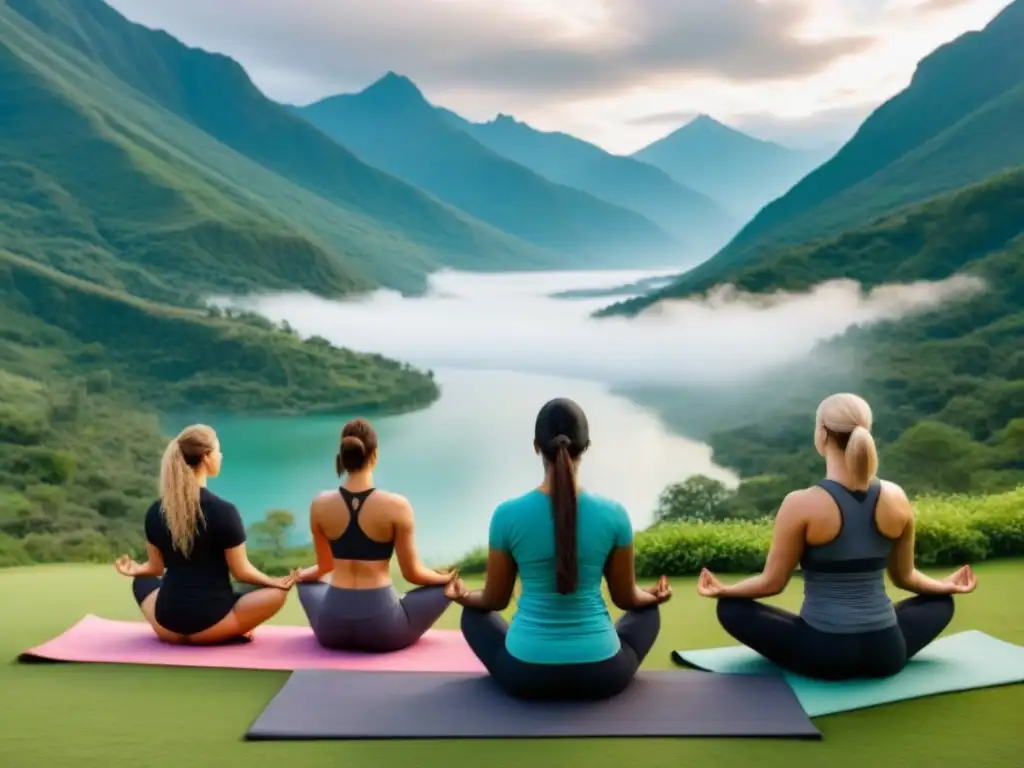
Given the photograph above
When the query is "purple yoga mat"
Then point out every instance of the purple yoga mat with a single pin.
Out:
(104, 641)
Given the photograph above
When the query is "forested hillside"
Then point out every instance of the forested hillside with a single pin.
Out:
(957, 123)
(947, 387)
(83, 370)
(129, 154)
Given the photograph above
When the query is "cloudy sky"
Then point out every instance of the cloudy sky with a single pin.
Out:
(620, 73)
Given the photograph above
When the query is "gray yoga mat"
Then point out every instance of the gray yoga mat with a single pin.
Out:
(343, 704)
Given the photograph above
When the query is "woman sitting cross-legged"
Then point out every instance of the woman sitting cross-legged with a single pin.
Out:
(844, 532)
(199, 538)
(561, 540)
(356, 529)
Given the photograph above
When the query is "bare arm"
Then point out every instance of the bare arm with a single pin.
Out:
(322, 548)
(244, 571)
(901, 568)
(498, 584)
(620, 573)
(788, 537)
(154, 565)
(413, 569)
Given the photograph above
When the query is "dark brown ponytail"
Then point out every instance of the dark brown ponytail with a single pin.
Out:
(564, 510)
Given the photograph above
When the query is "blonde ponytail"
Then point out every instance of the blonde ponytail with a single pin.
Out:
(179, 486)
(861, 457)
(846, 419)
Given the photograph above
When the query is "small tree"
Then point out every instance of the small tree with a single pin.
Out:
(696, 498)
(272, 532)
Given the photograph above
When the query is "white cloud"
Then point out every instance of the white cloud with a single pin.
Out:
(588, 67)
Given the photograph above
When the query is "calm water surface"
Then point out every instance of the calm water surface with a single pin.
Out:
(459, 458)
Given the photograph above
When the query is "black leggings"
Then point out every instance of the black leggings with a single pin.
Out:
(637, 630)
(788, 641)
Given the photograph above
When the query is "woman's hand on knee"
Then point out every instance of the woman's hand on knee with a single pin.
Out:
(708, 584)
(661, 592)
(127, 567)
(962, 581)
(455, 589)
(285, 582)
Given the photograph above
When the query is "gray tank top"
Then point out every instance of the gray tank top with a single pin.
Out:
(844, 580)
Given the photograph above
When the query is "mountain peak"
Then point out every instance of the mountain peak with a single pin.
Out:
(393, 88)
(707, 123)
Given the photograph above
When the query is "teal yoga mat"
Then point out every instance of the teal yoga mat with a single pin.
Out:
(956, 662)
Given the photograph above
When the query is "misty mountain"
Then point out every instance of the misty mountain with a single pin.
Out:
(700, 223)
(740, 172)
(132, 160)
(958, 122)
(392, 126)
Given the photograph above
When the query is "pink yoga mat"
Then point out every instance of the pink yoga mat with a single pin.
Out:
(132, 642)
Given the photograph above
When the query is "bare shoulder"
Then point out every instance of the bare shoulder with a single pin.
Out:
(801, 501)
(395, 503)
(322, 498)
(893, 492)
(894, 505)
(794, 510)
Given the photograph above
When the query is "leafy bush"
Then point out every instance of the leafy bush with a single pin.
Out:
(474, 561)
(951, 530)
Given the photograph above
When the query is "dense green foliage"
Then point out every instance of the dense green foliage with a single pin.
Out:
(740, 172)
(391, 125)
(957, 123)
(698, 222)
(946, 386)
(83, 366)
(697, 499)
(950, 530)
(130, 159)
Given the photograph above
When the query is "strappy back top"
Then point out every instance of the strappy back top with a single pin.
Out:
(353, 543)
(844, 580)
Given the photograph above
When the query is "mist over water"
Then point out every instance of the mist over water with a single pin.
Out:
(512, 322)
(502, 345)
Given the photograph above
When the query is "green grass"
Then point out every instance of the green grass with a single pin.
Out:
(97, 715)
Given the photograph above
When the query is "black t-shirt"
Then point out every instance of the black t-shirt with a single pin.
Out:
(204, 572)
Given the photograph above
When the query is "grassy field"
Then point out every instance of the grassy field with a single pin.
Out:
(98, 715)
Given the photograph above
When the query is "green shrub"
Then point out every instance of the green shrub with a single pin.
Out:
(281, 564)
(473, 562)
(951, 531)
(12, 552)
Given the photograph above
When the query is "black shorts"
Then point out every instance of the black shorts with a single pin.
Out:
(185, 617)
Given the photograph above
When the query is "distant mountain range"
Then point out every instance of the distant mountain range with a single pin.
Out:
(392, 126)
(694, 218)
(960, 121)
(740, 172)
